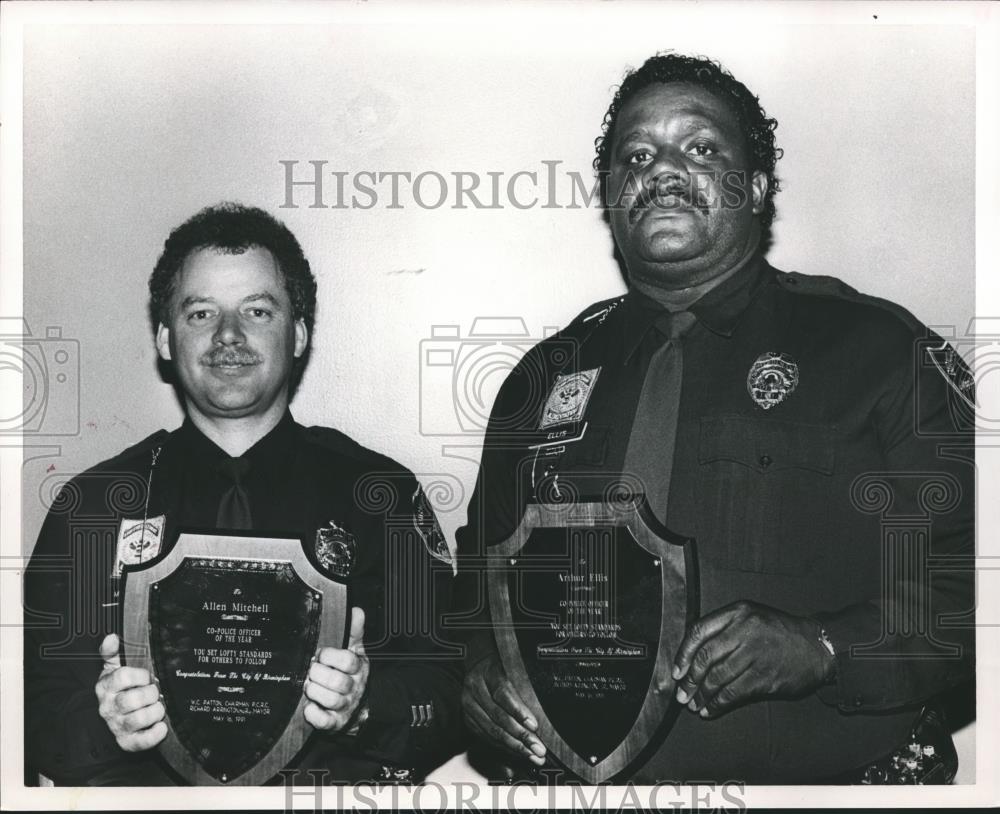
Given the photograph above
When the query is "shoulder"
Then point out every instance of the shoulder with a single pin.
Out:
(593, 316)
(830, 300)
(834, 292)
(380, 484)
(590, 320)
(134, 458)
(328, 441)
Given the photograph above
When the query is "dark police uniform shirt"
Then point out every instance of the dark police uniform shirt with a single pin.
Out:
(300, 480)
(850, 501)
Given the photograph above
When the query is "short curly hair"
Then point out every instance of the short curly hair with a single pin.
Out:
(234, 228)
(664, 67)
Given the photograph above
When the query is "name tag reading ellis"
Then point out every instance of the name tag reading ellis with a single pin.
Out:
(228, 625)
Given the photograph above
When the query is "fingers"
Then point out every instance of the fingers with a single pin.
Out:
(494, 711)
(506, 697)
(321, 718)
(136, 698)
(709, 663)
(124, 678)
(741, 688)
(325, 696)
(486, 728)
(330, 678)
(508, 733)
(702, 630)
(136, 722)
(355, 641)
(109, 652)
(336, 680)
(346, 661)
(147, 739)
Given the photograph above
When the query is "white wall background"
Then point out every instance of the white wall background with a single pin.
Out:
(129, 129)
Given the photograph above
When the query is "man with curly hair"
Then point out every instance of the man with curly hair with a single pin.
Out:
(233, 300)
(757, 412)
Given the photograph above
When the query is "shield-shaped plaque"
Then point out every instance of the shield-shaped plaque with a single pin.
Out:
(590, 602)
(227, 626)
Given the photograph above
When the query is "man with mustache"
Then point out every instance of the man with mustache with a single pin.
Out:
(782, 421)
(233, 300)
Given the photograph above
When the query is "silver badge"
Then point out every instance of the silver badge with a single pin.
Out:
(568, 399)
(772, 378)
(139, 541)
(336, 550)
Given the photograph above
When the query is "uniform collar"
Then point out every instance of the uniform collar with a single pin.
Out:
(719, 310)
(267, 455)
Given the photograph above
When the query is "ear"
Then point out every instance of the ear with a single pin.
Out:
(301, 338)
(758, 188)
(163, 342)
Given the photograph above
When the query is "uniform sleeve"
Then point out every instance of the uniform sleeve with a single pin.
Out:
(65, 737)
(415, 678)
(923, 622)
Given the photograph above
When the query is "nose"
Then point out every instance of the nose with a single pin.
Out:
(229, 330)
(668, 166)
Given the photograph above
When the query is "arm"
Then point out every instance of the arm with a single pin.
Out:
(70, 689)
(493, 710)
(402, 705)
(896, 649)
(929, 473)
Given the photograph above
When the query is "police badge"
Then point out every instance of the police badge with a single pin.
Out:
(568, 399)
(772, 378)
(336, 550)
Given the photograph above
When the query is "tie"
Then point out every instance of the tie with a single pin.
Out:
(650, 453)
(234, 505)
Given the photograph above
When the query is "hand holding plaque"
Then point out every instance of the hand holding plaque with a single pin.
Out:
(337, 680)
(495, 711)
(129, 701)
(746, 651)
(230, 627)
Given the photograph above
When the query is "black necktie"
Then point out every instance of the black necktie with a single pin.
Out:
(234, 505)
(650, 454)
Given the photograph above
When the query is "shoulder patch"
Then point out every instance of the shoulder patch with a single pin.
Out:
(428, 527)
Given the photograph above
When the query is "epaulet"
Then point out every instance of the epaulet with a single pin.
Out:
(823, 286)
(342, 444)
(145, 446)
(594, 315)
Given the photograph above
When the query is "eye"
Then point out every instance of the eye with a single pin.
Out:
(259, 313)
(703, 149)
(640, 156)
(200, 315)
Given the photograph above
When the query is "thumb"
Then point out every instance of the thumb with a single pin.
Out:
(356, 640)
(109, 652)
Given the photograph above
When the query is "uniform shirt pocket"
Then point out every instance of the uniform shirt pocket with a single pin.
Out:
(764, 486)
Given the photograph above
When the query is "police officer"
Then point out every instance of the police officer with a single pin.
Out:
(786, 422)
(234, 301)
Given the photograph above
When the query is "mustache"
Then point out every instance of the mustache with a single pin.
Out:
(226, 357)
(654, 196)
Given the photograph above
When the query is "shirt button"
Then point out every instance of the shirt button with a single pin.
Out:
(765, 461)
(857, 701)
